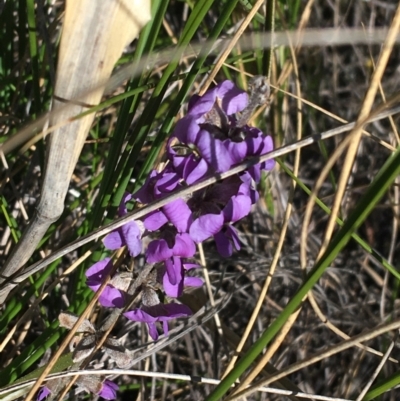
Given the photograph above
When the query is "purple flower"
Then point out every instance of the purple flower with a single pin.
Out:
(128, 235)
(109, 390)
(111, 297)
(175, 290)
(43, 393)
(209, 133)
(219, 225)
(170, 250)
(233, 100)
(157, 185)
(158, 313)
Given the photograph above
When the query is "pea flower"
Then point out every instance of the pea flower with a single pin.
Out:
(111, 297)
(153, 311)
(128, 235)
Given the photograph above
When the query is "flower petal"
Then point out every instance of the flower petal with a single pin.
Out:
(172, 290)
(184, 246)
(112, 298)
(96, 273)
(138, 315)
(179, 214)
(233, 99)
(158, 251)
(214, 152)
(113, 240)
(224, 246)
(122, 211)
(109, 390)
(206, 226)
(174, 268)
(132, 238)
(238, 207)
(43, 393)
(155, 220)
(193, 282)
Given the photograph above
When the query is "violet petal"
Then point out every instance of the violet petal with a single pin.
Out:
(158, 251)
(109, 390)
(132, 236)
(179, 214)
(206, 226)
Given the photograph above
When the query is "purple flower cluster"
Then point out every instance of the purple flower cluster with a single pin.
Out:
(208, 140)
(211, 138)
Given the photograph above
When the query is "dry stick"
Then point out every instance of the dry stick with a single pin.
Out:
(89, 31)
(330, 351)
(230, 46)
(209, 289)
(17, 278)
(288, 325)
(356, 134)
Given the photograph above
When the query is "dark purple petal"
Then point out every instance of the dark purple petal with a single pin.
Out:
(224, 246)
(43, 393)
(257, 142)
(146, 193)
(109, 390)
(184, 246)
(225, 239)
(190, 167)
(238, 207)
(247, 188)
(96, 273)
(112, 298)
(113, 240)
(153, 332)
(155, 220)
(231, 233)
(206, 226)
(132, 234)
(158, 251)
(179, 214)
